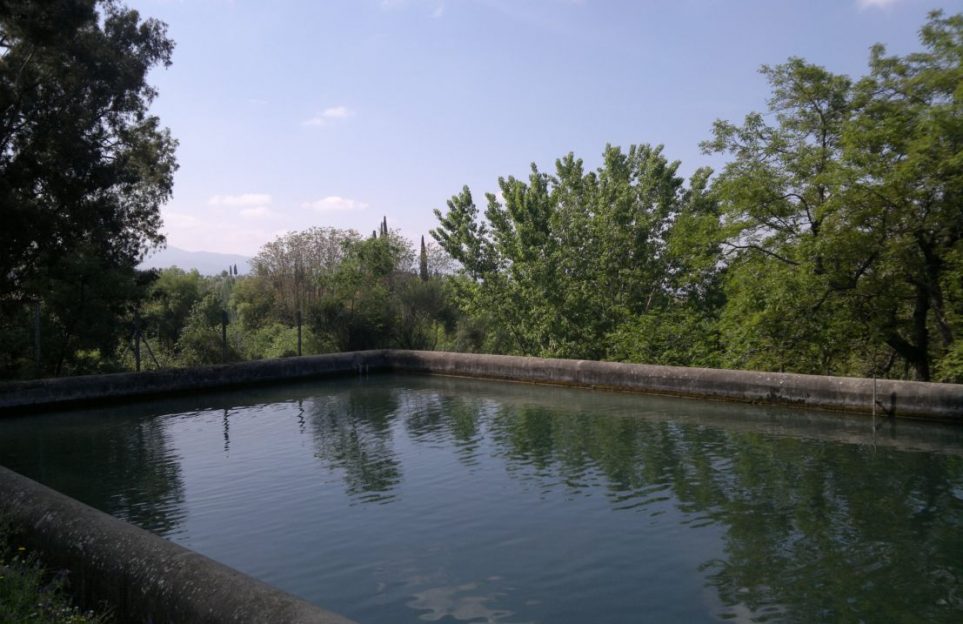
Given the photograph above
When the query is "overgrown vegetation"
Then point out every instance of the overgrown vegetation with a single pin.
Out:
(349, 292)
(829, 243)
(29, 594)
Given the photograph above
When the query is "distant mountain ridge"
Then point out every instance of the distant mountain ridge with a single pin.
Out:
(206, 262)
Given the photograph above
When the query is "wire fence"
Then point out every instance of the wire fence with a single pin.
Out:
(33, 343)
(228, 343)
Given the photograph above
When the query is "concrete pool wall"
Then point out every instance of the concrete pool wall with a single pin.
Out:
(146, 578)
(139, 576)
(904, 399)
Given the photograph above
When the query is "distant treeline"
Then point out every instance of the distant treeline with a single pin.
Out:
(830, 243)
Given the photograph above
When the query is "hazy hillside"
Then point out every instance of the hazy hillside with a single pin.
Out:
(206, 262)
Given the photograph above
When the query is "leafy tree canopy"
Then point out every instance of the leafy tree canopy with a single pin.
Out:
(843, 218)
(82, 163)
(84, 170)
(560, 261)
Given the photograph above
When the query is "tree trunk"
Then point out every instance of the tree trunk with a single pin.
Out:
(915, 353)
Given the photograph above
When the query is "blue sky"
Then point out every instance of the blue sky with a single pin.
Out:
(334, 113)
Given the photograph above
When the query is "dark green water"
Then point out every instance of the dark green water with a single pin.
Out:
(399, 498)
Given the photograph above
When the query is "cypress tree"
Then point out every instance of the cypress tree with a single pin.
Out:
(423, 261)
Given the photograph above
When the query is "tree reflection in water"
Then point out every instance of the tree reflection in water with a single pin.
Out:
(352, 432)
(137, 474)
(818, 519)
(814, 530)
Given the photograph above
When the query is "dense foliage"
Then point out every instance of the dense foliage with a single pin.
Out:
(346, 292)
(844, 217)
(830, 242)
(83, 171)
(564, 264)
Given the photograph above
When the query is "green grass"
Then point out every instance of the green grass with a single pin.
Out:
(29, 594)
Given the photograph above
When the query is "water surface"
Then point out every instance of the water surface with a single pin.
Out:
(412, 499)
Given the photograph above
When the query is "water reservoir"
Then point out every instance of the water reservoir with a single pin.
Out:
(406, 498)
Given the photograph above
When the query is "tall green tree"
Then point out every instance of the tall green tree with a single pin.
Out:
(562, 261)
(359, 306)
(842, 215)
(780, 201)
(423, 261)
(292, 267)
(681, 327)
(904, 159)
(84, 167)
(82, 162)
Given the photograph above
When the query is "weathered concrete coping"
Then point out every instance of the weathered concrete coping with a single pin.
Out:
(85, 389)
(904, 434)
(909, 399)
(143, 577)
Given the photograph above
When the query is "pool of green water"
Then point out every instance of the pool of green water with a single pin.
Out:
(410, 499)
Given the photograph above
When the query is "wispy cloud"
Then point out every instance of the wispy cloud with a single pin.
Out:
(876, 4)
(193, 229)
(244, 199)
(437, 6)
(329, 116)
(257, 212)
(333, 203)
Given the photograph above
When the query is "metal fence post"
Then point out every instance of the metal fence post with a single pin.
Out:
(36, 335)
(223, 335)
(137, 342)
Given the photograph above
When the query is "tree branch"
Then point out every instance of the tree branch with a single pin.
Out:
(763, 250)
